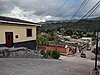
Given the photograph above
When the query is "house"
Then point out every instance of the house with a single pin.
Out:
(87, 40)
(17, 33)
(67, 37)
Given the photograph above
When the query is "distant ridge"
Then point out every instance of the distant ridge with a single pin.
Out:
(92, 22)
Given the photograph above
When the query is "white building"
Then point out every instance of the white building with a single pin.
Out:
(87, 40)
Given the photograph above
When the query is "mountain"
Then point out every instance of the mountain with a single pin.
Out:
(53, 24)
(97, 18)
(91, 23)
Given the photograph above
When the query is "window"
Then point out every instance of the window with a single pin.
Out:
(29, 32)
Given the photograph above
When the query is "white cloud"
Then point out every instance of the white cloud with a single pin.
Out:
(16, 12)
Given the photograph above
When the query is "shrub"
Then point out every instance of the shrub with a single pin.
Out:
(49, 52)
(55, 54)
(42, 52)
(45, 55)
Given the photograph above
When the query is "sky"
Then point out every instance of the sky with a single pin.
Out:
(42, 10)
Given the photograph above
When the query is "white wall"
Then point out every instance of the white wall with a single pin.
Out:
(17, 30)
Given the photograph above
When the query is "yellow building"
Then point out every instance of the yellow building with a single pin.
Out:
(17, 33)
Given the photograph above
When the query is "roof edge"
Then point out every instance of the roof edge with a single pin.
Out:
(29, 24)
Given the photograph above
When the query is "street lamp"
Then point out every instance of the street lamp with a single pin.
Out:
(95, 70)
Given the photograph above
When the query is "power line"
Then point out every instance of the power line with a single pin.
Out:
(91, 11)
(97, 7)
(51, 11)
(83, 4)
(59, 2)
(55, 13)
(80, 8)
(95, 11)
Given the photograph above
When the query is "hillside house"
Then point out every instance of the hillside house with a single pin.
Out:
(17, 33)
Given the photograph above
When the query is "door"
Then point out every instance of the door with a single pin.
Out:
(9, 39)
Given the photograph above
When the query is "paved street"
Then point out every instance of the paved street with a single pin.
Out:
(29, 66)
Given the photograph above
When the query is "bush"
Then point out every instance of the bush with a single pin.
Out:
(55, 54)
(49, 52)
(45, 55)
(42, 52)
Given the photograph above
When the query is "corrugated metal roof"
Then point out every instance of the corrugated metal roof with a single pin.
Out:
(10, 20)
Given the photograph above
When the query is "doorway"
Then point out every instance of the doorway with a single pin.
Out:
(9, 39)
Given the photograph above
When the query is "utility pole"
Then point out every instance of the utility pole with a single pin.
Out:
(56, 39)
(95, 70)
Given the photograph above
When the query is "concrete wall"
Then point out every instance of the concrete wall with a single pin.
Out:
(58, 48)
(19, 30)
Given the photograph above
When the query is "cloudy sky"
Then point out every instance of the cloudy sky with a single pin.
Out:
(42, 10)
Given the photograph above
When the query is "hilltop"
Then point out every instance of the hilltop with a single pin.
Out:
(91, 23)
